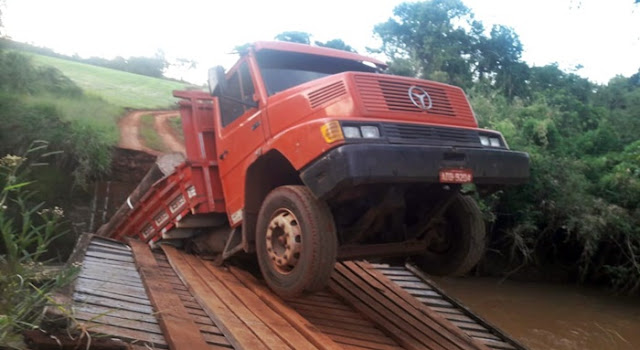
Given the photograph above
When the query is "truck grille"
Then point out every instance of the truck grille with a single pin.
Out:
(382, 95)
(429, 135)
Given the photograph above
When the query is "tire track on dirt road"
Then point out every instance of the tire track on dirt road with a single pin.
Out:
(130, 137)
(166, 133)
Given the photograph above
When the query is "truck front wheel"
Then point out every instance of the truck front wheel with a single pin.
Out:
(457, 242)
(296, 241)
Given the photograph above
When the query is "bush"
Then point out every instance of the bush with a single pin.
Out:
(86, 143)
(19, 75)
(580, 210)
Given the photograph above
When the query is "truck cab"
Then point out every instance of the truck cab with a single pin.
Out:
(305, 156)
(322, 156)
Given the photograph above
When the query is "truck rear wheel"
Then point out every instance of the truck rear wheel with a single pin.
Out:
(457, 242)
(296, 241)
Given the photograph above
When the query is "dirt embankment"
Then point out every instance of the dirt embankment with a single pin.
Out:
(130, 131)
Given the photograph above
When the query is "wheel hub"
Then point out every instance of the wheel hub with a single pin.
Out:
(284, 241)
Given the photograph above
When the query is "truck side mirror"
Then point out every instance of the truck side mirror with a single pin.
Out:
(217, 81)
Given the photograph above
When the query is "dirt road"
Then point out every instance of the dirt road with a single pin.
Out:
(166, 133)
(130, 136)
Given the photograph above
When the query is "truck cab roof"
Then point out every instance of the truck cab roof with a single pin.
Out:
(315, 50)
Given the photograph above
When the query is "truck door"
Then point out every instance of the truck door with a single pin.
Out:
(240, 134)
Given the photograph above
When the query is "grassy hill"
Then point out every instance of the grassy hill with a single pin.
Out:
(117, 87)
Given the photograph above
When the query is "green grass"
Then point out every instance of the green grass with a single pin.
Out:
(120, 88)
(86, 110)
(176, 127)
(149, 135)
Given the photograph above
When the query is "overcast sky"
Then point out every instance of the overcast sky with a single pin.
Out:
(603, 36)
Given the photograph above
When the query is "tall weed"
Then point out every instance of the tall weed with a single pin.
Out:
(27, 228)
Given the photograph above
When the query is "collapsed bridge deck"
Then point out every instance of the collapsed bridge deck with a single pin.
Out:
(169, 299)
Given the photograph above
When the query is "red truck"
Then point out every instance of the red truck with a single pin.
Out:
(306, 155)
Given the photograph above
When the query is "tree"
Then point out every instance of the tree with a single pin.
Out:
(242, 49)
(294, 37)
(149, 66)
(498, 60)
(337, 44)
(440, 40)
(433, 35)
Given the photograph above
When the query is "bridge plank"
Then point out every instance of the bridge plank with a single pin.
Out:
(367, 306)
(313, 334)
(270, 317)
(411, 306)
(393, 308)
(236, 331)
(128, 334)
(245, 312)
(381, 306)
(102, 310)
(178, 327)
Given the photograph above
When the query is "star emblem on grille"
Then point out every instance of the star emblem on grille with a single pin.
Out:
(420, 98)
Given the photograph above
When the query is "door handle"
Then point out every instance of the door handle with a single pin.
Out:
(255, 125)
(223, 155)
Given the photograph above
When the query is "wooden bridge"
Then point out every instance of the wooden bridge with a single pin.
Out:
(167, 299)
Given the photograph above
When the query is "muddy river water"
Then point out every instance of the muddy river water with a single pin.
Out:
(549, 316)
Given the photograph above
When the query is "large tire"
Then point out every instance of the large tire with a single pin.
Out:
(461, 242)
(296, 241)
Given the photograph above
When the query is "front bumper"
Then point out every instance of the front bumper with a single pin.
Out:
(364, 163)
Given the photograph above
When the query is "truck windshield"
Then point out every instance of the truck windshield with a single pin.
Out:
(282, 70)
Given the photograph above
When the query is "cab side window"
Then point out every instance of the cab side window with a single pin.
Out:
(239, 88)
(247, 83)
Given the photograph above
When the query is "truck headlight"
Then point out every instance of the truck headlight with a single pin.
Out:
(351, 132)
(361, 131)
(491, 140)
(333, 131)
(370, 132)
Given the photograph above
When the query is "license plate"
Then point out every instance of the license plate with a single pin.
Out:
(456, 176)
